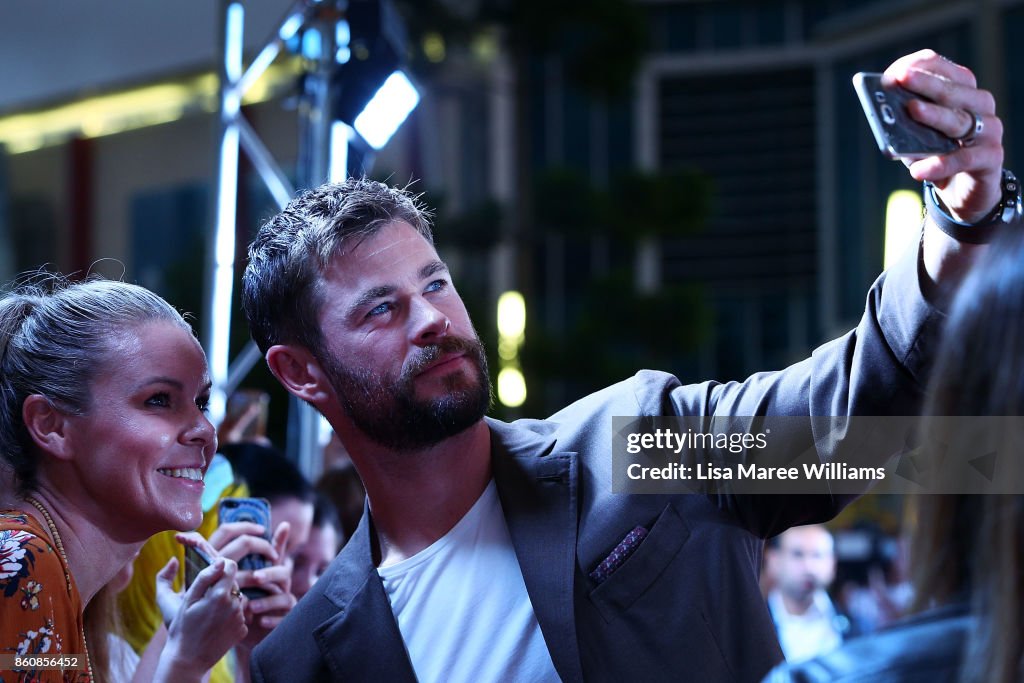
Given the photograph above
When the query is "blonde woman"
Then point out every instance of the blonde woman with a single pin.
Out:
(103, 431)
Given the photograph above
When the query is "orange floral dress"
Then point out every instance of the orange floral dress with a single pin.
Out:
(39, 614)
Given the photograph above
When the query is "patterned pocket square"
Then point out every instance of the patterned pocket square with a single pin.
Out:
(620, 554)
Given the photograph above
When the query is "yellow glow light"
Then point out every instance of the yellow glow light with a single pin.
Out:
(902, 211)
(511, 387)
(508, 349)
(511, 315)
(485, 47)
(434, 47)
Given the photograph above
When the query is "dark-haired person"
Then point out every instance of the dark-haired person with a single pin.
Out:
(269, 474)
(801, 564)
(967, 550)
(104, 438)
(498, 552)
(312, 558)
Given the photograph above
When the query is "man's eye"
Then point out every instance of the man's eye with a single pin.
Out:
(161, 400)
(437, 285)
(379, 309)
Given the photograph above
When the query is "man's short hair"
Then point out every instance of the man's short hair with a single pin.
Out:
(281, 293)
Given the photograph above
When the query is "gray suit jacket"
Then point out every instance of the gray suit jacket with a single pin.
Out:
(686, 604)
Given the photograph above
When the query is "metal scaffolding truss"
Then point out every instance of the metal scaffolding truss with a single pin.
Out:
(316, 156)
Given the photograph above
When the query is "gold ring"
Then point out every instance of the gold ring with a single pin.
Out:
(237, 593)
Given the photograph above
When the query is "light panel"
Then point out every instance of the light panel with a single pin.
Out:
(387, 109)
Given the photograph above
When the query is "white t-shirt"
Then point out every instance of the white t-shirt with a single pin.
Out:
(123, 660)
(805, 636)
(462, 606)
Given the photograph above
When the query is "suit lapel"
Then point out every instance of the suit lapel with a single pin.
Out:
(537, 487)
(361, 641)
(538, 490)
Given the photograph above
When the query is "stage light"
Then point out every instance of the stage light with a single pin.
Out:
(387, 109)
(341, 135)
(370, 92)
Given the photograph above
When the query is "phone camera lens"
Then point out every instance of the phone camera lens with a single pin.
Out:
(879, 96)
(887, 114)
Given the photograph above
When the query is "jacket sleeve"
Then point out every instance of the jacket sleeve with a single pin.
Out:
(865, 387)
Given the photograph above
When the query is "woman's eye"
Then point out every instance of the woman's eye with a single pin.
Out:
(203, 404)
(161, 400)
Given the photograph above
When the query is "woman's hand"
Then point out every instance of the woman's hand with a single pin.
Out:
(206, 620)
(262, 614)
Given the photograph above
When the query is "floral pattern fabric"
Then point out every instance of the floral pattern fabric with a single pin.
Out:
(38, 614)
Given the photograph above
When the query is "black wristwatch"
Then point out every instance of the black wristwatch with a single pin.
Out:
(1008, 211)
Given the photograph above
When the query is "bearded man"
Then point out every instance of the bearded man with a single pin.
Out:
(493, 551)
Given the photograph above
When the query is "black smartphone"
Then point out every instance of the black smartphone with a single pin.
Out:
(897, 134)
(195, 561)
(257, 511)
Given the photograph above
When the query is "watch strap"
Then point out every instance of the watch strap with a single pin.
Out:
(1007, 211)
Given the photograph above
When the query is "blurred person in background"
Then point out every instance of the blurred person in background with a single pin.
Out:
(267, 473)
(341, 484)
(325, 539)
(245, 419)
(801, 563)
(966, 551)
(873, 589)
(344, 489)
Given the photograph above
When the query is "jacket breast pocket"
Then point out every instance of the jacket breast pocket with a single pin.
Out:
(644, 566)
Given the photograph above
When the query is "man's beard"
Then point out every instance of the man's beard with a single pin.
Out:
(386, 408)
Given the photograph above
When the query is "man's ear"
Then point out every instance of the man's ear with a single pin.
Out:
(47, 426)
(299, 372)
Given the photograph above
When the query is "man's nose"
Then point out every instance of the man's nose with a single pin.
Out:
(428, 322)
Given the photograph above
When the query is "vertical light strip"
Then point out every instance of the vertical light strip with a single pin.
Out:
(337, 164)
(219, 325)
(233, 42)
(224, 253)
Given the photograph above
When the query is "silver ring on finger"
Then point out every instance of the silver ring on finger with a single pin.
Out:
(975, 128)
